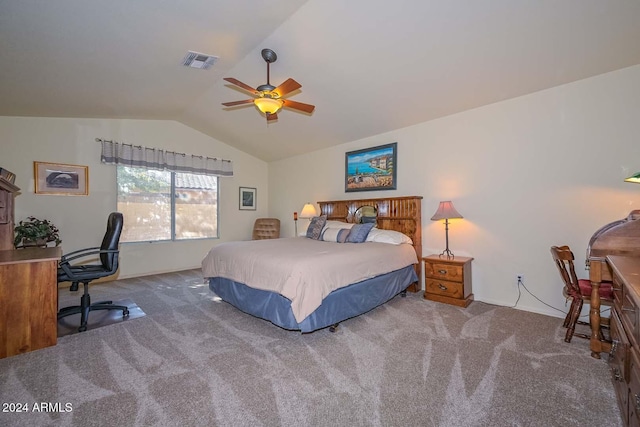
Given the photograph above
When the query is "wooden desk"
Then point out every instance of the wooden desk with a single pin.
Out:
(28, 299)
(599, 271)
(624, 356)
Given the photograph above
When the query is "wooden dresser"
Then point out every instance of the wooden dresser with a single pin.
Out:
(624, 356)
(448, 280)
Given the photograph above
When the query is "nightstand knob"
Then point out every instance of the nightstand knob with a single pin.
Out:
(442, 287)
(442, 271)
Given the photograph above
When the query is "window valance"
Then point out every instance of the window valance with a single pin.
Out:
(116, 153)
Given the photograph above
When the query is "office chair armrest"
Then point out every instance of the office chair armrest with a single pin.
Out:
(82, 253)
(74, 272)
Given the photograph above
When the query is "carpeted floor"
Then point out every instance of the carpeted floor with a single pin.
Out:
(195, 361)
(98, 318)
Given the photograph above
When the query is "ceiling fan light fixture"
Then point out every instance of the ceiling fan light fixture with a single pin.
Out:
(268, 105)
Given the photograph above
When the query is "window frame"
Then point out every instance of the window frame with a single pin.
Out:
(173, 209)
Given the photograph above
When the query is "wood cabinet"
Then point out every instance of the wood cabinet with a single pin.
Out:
(624, 356)
(448, 280)
(7, 196)
(28, 299)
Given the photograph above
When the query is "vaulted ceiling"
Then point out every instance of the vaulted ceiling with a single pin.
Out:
(369, 66)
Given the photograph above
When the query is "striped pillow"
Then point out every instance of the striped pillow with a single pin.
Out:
(315, 227)
(338, 235)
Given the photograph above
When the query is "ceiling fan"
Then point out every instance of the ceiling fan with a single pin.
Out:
(270, 98)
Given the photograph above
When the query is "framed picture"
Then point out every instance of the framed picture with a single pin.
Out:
(371, 169)
(247, 199)
(61, 179)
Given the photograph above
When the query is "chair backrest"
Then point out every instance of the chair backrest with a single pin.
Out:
(266, 228)
(563, 257)
(111, 240)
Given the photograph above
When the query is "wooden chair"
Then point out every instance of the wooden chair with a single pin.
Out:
(579, 290)
(266, 228)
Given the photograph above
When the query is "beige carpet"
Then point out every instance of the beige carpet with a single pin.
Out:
(194, 361)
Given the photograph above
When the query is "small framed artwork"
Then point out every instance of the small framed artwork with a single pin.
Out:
(247, 199)
(372, 168)
(61, 179)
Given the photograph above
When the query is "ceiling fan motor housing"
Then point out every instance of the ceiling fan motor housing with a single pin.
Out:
(265, 88)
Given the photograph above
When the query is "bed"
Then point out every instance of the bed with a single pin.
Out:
(308, 284)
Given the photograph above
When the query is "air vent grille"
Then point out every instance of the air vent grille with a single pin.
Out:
(199, 60)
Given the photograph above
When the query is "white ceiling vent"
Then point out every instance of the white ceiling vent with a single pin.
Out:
(199, 60)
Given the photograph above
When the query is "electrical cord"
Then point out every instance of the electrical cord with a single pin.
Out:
(520, 282)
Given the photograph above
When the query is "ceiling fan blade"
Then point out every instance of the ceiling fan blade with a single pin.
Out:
(234, 103)
(242, 85)
(288, 86)
(273, 116)
(307, 108)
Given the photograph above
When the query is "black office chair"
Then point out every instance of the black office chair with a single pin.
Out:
(107, 255)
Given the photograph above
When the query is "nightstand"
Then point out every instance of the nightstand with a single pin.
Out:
(448, 280)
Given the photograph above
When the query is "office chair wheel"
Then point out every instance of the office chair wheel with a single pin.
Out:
(82, 328)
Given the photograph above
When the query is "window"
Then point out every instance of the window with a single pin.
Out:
(162, 205)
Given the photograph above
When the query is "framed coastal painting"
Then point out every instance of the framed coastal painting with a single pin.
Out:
(371, 168)
(247, 199)
(61, 179)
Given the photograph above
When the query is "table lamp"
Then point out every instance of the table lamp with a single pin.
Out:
(446, 211)
(308, 212)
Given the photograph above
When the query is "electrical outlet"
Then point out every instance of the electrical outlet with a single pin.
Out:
(519, 278)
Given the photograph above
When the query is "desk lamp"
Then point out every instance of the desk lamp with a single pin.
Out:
(446, 211)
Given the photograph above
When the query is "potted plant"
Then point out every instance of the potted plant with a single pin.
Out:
(35, 232)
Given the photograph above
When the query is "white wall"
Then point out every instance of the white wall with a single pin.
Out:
(528, 173)
(82, 219)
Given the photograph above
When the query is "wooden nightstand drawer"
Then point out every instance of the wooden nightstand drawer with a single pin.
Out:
(443, 287)
(450, 272)
(448, 280)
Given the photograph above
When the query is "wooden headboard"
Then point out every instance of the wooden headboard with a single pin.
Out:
(403, 214)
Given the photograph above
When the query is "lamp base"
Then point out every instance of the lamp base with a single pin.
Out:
(447, 253)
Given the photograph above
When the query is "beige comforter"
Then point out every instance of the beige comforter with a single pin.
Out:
(304, 270)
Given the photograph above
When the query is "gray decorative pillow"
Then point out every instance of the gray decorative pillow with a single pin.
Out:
(359, 232)
(315, 227)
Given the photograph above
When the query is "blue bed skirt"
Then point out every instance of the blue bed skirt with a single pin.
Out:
(339, 305)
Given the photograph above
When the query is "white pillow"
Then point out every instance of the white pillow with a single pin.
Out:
(388, 236)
